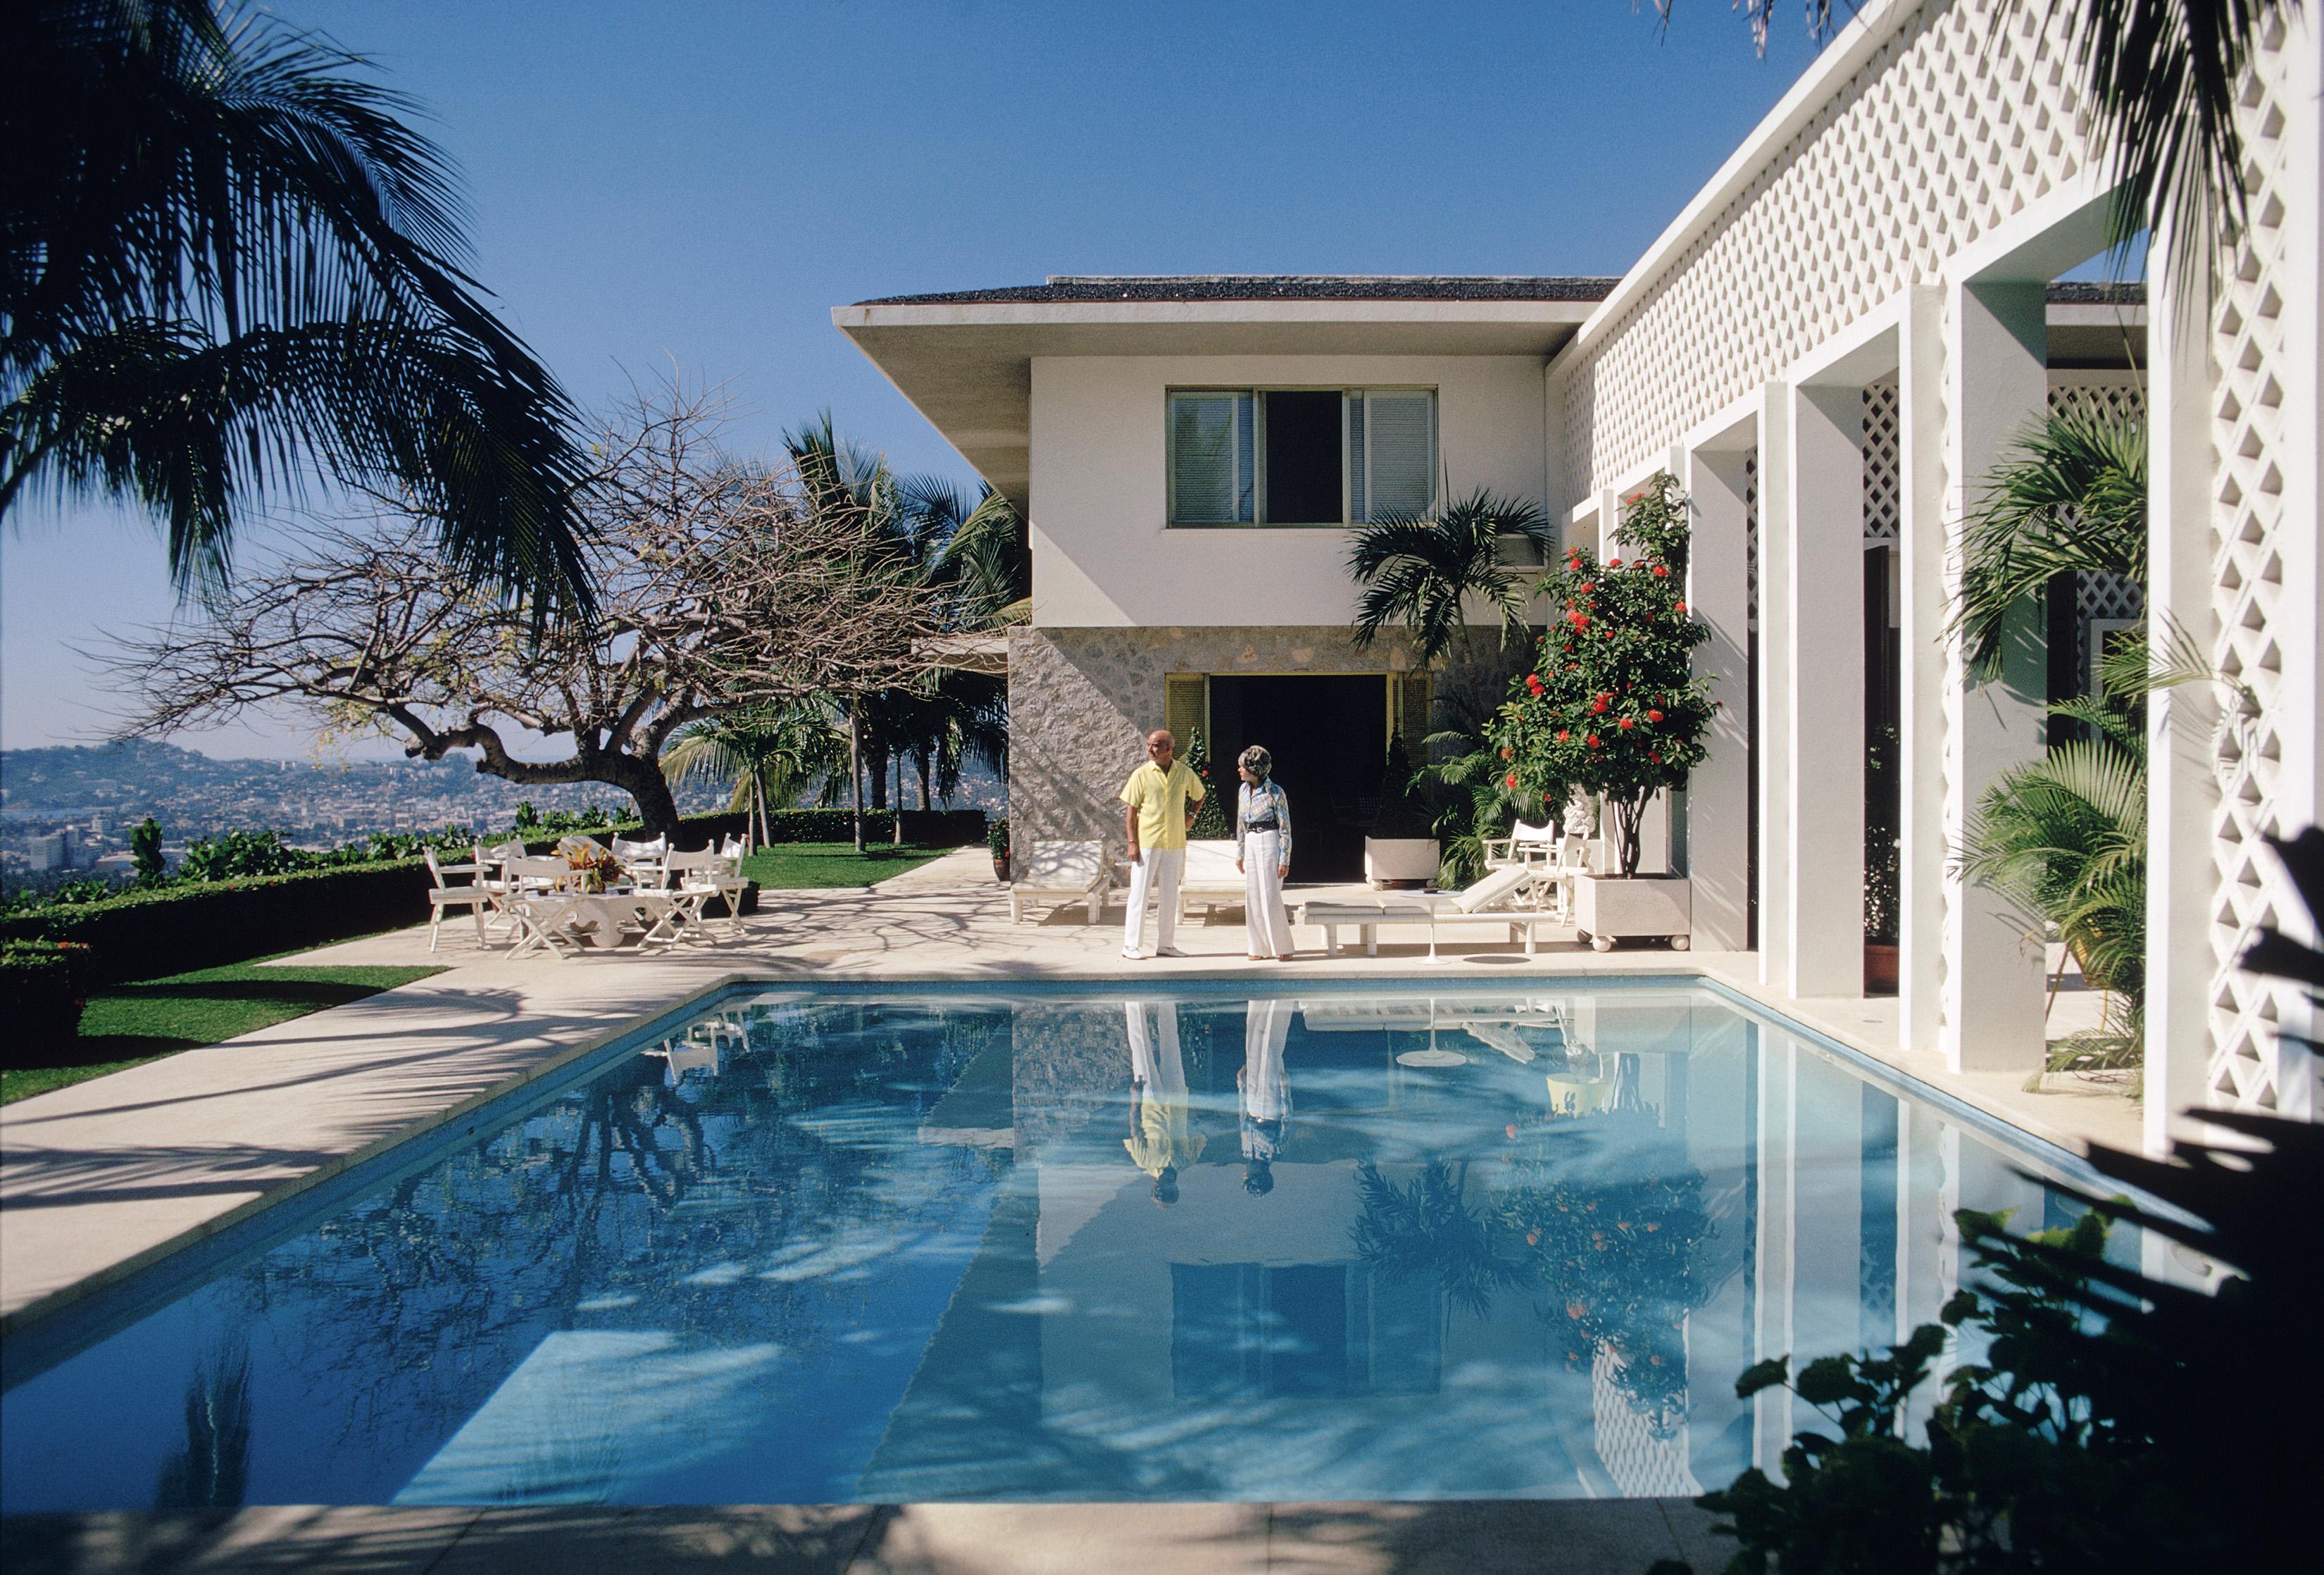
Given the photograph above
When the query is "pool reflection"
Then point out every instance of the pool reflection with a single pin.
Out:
(1406, 1246)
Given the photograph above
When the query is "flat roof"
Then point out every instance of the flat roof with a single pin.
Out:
(1088, 287)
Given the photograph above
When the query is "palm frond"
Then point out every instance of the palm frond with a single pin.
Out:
(192, 207)
(2070, 498)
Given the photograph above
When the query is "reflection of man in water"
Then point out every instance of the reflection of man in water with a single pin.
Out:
(1160, 1140)
(1266, 1091)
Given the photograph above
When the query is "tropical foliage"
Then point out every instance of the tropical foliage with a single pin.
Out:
(2068, 498)
(227, 263)
(1424, 569)
(765, 756)
(1613, 707)
(2103, 1419)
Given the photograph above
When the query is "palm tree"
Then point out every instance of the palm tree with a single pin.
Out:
(227, 266)
(2064, 839)
(766, 758)
(2070, 498)
(1422, 571)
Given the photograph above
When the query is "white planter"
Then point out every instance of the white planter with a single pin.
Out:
(1400, 859)
(1644, 907)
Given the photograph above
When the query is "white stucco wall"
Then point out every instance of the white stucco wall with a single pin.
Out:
(1102, 555)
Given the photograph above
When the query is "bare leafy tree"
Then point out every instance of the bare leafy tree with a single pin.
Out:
(722, 584)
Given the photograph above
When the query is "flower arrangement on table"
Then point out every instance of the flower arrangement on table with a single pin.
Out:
(593, 865)
(1612, 706)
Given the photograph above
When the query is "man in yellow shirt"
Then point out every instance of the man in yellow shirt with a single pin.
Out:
(1161, 796)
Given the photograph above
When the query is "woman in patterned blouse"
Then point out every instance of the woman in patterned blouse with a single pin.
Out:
(1263, 854)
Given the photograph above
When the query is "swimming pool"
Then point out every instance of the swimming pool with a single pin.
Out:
(1214, 1243)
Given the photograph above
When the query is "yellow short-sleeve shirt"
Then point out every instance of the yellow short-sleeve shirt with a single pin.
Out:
(1160, 801)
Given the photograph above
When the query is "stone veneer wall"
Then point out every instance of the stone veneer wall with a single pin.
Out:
(1081, 702)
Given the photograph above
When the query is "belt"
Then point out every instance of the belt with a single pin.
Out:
(1269, 824)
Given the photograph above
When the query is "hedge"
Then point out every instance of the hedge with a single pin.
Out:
(927, 827)
(42, 988)
(170, 930)
(144, 935)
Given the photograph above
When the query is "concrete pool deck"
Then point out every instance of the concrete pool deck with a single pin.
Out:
(103, 1178)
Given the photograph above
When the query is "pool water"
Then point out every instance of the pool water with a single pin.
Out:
(1371, 1243)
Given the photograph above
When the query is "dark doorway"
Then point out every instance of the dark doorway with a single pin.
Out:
(1327, 735)
(1883, 779)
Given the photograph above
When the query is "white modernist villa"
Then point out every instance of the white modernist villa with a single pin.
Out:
(1829, 348)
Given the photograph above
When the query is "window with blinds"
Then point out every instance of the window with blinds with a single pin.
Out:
(1277, 456)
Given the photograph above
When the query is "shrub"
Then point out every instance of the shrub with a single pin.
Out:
(43, 985)
(1612, 706)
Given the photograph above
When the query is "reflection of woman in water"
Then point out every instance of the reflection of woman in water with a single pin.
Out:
(1160, 1140)
(1266, 1091)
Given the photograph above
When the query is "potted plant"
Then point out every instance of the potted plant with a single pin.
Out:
(1613, 707)
(996, 837)
(1401, 849)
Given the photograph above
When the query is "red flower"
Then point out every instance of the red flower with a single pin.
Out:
(1511, 781)
(1660, 573)
(1613, 563)
(1682, 607)
(1589, 585)
(1597, 703)
(1579, 620)
(1594, 743)
(1573, 667)
(1509, 753)
(1626, 724)
(1561, 738)
(1654, 716)
(1657, 760)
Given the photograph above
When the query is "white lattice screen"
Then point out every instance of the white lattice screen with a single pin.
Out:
(1883, 495)
(1646, 1460)
(2252, 362)
(1946, 131)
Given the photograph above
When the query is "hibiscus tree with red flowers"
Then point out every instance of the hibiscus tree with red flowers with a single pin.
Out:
(1619, 714)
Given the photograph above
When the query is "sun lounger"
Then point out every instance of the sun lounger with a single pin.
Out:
(1061, 872)
(1486, 902)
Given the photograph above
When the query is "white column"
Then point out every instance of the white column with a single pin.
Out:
(1718, 791)
(1775, 681)
(1920, 563)
(1776, 1249)
(1822, 575)
(2181, 790)
(1996, 385)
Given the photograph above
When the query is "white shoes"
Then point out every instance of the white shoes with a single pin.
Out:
(1167, 951)
(1133, 957)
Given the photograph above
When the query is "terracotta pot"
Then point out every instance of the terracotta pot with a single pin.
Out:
(1001, 867)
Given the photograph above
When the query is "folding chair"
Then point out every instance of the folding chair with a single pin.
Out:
(472, 895)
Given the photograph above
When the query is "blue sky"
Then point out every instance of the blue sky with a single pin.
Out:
(697, 185)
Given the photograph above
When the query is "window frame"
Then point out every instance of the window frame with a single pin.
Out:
(1257, 393)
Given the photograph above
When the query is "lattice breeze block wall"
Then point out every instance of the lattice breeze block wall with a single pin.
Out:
(1944, 133)
(2253, 363)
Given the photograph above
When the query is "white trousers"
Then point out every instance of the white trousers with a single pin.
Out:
(1157, 871)
(1266, 927)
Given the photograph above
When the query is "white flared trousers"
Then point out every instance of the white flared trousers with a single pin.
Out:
(1266, 926)
(1156, 872)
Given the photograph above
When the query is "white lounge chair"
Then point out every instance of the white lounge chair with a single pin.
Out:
(1486, 902)
(1210, 880)
(1061, 872)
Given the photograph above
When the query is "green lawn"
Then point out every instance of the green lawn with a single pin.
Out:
(816, 865)
(127, 1025)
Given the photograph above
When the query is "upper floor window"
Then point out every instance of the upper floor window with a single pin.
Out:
(1300, 456)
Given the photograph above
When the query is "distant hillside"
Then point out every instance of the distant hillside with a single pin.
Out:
(193, 795)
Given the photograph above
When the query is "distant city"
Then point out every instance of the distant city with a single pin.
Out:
(71, 809)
